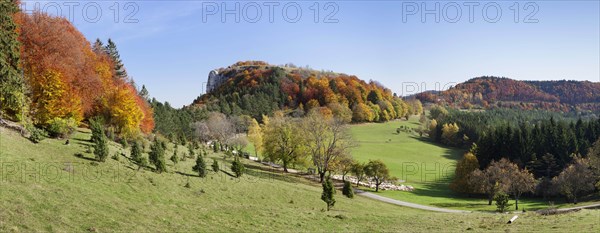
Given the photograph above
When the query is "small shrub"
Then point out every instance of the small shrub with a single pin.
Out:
(124, 143)
(237, 167)
(143, 162)
(175, 158)
(61, 128)
(115, 157)
(215, 166)
(328, 193)
(501, 202)
(136, 152)
(101, 148)
(200, 166)
(347, 190)
(157, 156)
(97, 127)
(36, 135)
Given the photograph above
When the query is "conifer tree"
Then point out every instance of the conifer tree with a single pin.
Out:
(215, 166)
(200, 166)
(111, 49)
(175, 158)
(328, 193)
(101, 147)
(136, 152)
(157, 156)
(237, 167)
(347, 190)
(12, 97)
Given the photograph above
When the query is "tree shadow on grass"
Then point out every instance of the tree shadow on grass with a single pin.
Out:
(186, 174)
(263, 172)
(227, 173)
(82, 156)
(453, 153)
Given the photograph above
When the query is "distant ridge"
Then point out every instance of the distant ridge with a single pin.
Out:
(495, 92)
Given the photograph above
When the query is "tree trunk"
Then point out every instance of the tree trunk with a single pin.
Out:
(516, 202)
(376, 187)
(575, 199)
(490, 197)
(321, 176)
(285, 167)
(343, 177)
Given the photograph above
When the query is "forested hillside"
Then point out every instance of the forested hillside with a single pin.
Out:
(256, 88)
(494, 92)
(54, 79)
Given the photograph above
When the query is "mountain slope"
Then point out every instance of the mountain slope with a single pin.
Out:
(492, 92)
(256, 88)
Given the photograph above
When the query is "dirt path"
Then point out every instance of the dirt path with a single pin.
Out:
(406, 204)
(431, 208)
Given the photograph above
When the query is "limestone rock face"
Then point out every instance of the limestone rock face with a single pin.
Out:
(214, 80)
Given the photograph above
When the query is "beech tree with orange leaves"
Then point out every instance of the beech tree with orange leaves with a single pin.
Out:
(70, 79)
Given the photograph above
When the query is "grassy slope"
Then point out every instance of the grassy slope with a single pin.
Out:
(426, 166)
(116, 196)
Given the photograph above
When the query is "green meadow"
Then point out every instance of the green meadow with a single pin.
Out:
(427, 166)
(51, 186)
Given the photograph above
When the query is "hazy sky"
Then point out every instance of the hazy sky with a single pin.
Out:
(170, 46)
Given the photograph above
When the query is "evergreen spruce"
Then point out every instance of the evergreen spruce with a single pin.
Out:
(157, 156)
(215, 166)
(501, 199)
(328, 193)
(347, 190)
(101, 148)
(136, 152)
(175, 158)
(200, 166)
(237, 167)
(12, 89)
(111, 49)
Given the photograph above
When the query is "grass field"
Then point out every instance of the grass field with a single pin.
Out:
(44, 187)
(424, 165)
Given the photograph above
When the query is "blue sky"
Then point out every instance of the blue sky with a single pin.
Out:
(174, 44)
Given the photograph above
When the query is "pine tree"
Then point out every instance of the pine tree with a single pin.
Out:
(101, 148)
(12, 85)
(144, 93)
(237, 167)
(501, 199)
(97, 128)
(347, 190)
(200, 166)
(191, 150)
(328, 193)
(215, 166)
(136, 152)
(175, 158)
(98, 47)
(111, 49)
(157, 156)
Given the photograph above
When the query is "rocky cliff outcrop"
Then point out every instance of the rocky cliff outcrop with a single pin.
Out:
(214, 80)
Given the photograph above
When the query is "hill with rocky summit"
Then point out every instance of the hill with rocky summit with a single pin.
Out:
(256, 88)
